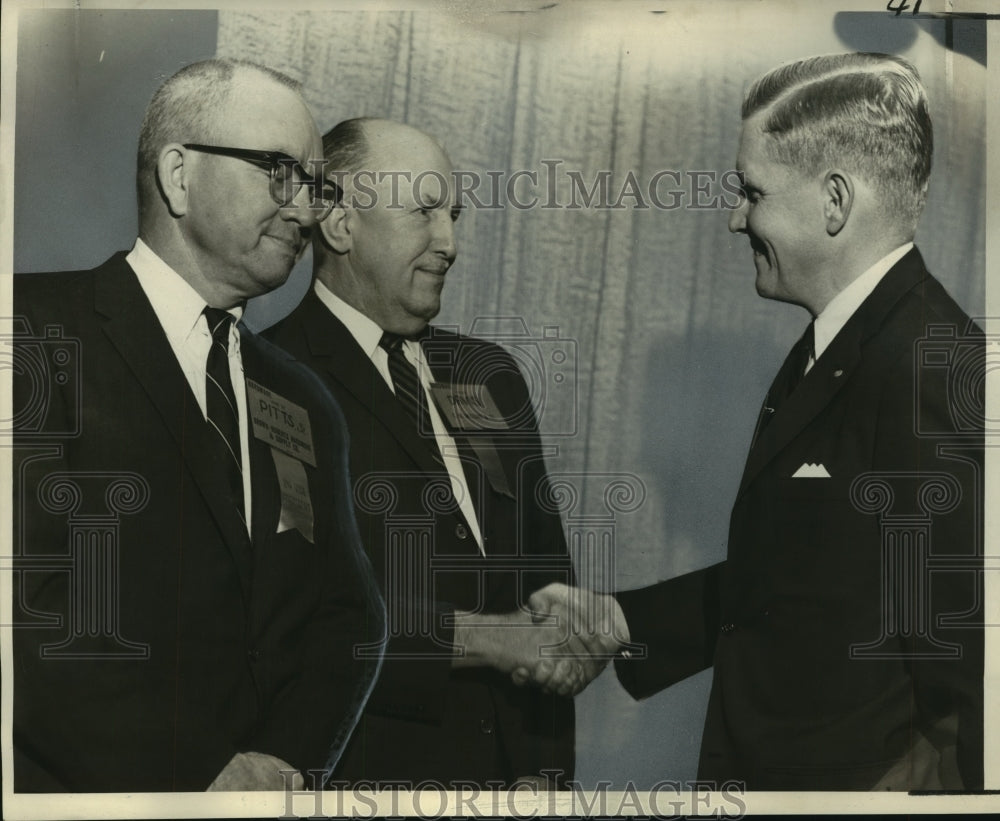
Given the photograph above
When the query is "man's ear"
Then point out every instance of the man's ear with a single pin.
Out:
(838, 199)
(172, 176)
(336, 228)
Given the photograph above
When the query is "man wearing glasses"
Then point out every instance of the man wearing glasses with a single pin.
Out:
(190, 588)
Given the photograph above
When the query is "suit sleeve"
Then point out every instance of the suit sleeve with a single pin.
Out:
(677, 623)
(88, 722)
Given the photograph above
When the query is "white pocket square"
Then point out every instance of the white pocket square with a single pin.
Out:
(810, 470)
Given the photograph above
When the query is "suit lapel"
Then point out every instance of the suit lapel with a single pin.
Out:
(133, 329)
(835, 367)
(338, 355)
(816, 390)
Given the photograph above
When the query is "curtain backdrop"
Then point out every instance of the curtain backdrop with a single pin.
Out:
(648, 349)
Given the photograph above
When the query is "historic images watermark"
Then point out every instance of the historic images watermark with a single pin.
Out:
(531, 798)
(552, 186)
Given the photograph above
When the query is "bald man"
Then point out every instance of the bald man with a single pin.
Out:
(449, 502)
(191, 587)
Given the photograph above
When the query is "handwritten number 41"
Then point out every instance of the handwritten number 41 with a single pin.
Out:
(899, 6)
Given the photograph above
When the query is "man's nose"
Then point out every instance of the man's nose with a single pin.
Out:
(738, 218)
(305, 207)
(443, 241)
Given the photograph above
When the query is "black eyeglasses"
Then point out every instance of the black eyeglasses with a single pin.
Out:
(286, 174)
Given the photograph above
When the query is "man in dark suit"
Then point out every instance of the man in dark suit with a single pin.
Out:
(190, 586)
(845, 626)
(450, 485)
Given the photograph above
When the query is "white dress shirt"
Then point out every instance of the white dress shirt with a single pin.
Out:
(179, 308)
(843, 306)
(368, 334)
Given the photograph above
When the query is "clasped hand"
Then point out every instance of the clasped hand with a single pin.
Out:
(592, 627)
(561, 645)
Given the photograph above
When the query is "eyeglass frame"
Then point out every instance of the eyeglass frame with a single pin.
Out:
(271, 161)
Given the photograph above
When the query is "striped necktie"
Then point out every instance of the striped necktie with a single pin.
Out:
(223, 416)
(409, 391)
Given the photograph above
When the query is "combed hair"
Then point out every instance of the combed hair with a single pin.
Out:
(866, 112)
(345, 149)
(345, 146)
(185, 110)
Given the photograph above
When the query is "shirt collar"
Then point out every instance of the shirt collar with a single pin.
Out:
(365, 330)
(176, 304)
(842, 307)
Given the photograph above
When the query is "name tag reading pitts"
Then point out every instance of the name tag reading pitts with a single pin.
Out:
(468, 407)
(285, 427)
(281, 423)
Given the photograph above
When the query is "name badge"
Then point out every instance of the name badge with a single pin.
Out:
(468, 407)
(296, 505)
(280, 423)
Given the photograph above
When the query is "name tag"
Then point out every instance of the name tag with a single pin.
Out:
(296, 505)
(468, 407)
(280, 423)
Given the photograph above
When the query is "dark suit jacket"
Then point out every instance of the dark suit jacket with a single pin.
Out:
(158, 639)
(426, 720)
(833, 644)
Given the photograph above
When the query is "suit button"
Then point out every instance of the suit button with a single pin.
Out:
(486, 726)
(728, 627)
(461, 531)
(254, 655)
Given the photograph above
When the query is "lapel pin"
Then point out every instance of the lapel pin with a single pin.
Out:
(838, 373)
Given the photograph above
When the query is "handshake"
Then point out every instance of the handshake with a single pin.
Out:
(560, 646)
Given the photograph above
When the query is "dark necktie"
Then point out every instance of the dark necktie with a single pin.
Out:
(791, 373)
(220, 402)
(801, 354)
(409, 391)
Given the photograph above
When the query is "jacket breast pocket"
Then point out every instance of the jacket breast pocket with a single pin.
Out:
(830, 490)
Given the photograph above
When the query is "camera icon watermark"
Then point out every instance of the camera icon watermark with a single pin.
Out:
(547, 363)
(41, 366)
(954, 362)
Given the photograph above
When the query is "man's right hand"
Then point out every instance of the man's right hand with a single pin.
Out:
(560, 647)
(594, 620)
(543, 648)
